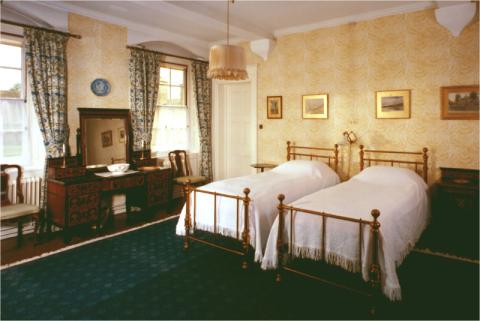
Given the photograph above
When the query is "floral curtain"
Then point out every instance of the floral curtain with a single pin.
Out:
(46, 63)
(144, 80)
(203, 93)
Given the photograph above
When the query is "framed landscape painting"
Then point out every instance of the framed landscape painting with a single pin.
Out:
(315, 106)
(393, 104)
(460, 102)
(274, 107)
(107, 138)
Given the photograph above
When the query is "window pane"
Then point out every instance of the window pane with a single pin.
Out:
(12, 144)
(10, 83)
(11, 56)
(169, 129)
(164, 95)
(176, 98)
(164, 75)
(178, 77)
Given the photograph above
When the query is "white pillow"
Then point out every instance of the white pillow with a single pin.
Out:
(391, 176)
(305, 167)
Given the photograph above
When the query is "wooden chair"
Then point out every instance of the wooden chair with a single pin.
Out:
(118, 160)
(18, 212)
(181, 169)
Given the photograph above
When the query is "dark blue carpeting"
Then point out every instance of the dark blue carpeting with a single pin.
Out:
(145, 274)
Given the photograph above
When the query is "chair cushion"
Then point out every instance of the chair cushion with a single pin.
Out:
(193, 179)
(17, 210)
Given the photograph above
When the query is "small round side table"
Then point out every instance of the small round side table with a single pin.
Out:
(262, 166)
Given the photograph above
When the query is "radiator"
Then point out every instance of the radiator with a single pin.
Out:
(31, 188)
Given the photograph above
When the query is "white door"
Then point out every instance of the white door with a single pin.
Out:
(237, 129)
(234, 129)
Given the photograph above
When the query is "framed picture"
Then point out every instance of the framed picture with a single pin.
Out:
(460, 102)
(274, 107)
(121, 135)
(315, 106)
(393, 104)
(107, 138)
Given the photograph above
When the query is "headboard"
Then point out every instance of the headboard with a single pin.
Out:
(330, 154)
(416, 155)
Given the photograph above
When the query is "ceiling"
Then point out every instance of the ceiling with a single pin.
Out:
(196, 25)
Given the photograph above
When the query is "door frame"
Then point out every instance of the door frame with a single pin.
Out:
(216, 126)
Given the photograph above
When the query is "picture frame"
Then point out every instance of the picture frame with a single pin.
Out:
(274, 107)
(315, 106)
(460, 102)
(107, 138)
(393, 104)
(121, 135)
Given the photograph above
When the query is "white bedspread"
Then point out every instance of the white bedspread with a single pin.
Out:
(398, 193)
(296, 178)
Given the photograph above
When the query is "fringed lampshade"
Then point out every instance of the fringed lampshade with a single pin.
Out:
(227, 62)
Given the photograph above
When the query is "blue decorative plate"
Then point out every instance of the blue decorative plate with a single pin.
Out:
(100, 87)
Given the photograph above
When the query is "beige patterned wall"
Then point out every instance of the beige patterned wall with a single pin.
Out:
(351, 62)
(101, 53)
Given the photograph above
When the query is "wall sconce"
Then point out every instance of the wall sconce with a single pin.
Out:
(349, 137)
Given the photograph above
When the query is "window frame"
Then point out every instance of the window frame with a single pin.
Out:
(23, 69)
(176, 66)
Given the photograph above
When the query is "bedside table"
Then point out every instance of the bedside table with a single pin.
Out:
(455, 212)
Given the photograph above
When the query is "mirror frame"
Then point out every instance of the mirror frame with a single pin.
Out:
(89, 113)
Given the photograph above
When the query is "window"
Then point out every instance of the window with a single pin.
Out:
(20, 139)
(173, 119)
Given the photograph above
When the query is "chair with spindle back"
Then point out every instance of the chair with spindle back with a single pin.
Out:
(18, 212)
(181, 170)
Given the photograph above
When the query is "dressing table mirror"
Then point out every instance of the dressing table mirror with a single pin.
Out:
(105, 136)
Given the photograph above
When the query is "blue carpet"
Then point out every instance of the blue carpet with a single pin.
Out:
(144, 274)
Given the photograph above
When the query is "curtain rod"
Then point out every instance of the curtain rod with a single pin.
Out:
(11, 34)
(18, 24)
(165, 54)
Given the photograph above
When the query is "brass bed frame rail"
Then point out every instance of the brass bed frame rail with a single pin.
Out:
(245, 235)
(374, 270)
(188, 189)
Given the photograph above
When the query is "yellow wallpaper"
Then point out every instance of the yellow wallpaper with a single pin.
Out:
(101, 53)
(351, 62)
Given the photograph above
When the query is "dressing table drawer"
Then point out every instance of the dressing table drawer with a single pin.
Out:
(85, 188)
(124, 182)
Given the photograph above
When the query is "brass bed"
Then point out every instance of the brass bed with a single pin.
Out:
(284, 251)
(329, 155)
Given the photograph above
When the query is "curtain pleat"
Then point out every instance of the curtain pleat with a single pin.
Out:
(144, 81)
(203, 94)
(45, 58)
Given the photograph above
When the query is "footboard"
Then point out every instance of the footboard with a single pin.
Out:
(374, 269)
(190, 190)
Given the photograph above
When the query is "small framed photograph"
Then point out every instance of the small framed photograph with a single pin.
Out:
(393, 104)
(274, 107)
(121, 135)
(460, 102)
(315, 106)
(107, 138)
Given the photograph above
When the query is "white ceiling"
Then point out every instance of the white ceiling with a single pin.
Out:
(196, 25)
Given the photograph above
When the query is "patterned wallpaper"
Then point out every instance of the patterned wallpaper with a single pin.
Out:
(101, 53)
(351, 62)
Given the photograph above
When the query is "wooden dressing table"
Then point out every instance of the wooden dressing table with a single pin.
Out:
(77, 196)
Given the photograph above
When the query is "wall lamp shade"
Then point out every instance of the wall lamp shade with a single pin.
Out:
(227, 62)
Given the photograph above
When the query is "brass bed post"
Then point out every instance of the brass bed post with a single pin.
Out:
(336, 157)
(425, 164)
(375, 273)
(281, 224)
(361, 157)
(246, 229)
(288, 150)
(186, 191)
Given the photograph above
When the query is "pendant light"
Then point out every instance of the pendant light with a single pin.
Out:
(227, 62)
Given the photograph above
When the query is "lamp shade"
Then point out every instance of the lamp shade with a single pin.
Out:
(227, 62)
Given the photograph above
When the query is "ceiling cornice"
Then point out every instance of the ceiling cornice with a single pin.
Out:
(198, 47)
(356, 18)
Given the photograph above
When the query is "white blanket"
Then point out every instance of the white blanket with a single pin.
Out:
(296, 178)
(398, 193)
